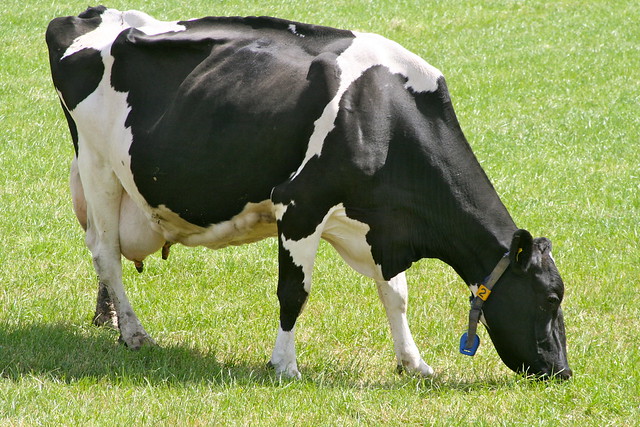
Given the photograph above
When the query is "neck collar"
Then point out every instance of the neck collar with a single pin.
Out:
(469, 342)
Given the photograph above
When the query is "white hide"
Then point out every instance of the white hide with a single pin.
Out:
(283, 358)
(394, 297)
(113, 23)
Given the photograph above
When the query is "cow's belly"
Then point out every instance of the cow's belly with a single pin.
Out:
(255, 222)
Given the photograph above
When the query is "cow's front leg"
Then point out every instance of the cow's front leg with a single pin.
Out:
(295, 261)
(394, 295)
(293, 290)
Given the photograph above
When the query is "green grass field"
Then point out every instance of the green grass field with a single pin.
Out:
(548, 94)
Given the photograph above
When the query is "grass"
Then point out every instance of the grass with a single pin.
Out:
(548, 95)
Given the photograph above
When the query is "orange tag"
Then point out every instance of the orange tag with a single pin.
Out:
(483, 292)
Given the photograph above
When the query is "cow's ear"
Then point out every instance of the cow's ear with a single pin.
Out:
(521, 251)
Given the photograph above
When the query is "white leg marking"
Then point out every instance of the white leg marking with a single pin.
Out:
(283, 358)
(303, 251)
(103, 193)
(394, 296)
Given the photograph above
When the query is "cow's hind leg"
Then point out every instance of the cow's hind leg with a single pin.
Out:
(105, 314)
(103, 193)
(394, 296)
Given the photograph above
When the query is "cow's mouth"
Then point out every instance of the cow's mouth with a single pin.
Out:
(546, 374)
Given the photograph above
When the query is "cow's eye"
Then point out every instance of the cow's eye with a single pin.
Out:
(551, 303)
(553, 300)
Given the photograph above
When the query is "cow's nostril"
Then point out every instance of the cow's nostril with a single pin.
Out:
(565, 374)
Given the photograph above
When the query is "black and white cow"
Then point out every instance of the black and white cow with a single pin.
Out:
(224, 131)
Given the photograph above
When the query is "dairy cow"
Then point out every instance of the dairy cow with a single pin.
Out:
(227, 130)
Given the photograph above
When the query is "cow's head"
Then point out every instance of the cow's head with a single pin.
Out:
(523, 314)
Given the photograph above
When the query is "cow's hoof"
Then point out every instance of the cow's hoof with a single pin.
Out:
(290, 371)
(137, 341)
(422, 369)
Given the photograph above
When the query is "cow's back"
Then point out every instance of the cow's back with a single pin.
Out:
(231, 114)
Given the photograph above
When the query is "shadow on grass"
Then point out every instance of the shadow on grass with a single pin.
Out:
(70, 354)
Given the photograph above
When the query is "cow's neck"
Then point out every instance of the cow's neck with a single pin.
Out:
(478, 239)
(474, 261)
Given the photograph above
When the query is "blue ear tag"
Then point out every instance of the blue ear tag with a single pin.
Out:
(469, 351)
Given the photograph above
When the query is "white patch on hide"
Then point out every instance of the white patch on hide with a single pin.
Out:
(346, 235)
(293, 30)
(366, 51)
(349, 238)
(303, 251)
(113, 23)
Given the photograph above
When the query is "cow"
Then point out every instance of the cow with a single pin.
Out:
(227, 130)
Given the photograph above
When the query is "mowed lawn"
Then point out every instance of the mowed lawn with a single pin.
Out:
(548, 94)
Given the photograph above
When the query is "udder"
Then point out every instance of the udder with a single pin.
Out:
(137, 238)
